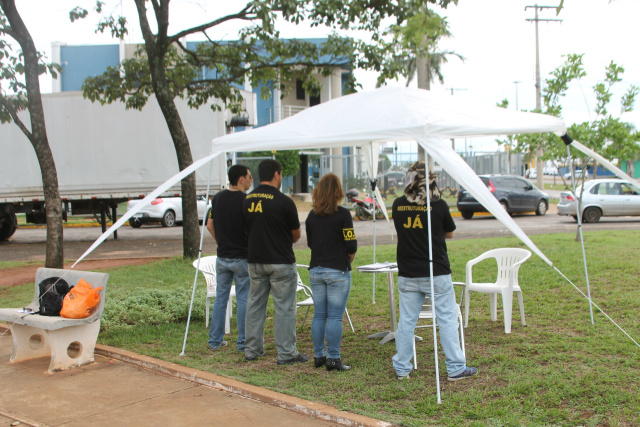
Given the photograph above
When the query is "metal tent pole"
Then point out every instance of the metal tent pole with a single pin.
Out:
(373, 198)
(433, 300)
(579, 218)
(195, 279)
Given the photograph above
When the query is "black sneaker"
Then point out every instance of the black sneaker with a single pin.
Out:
(337, 365)
(300, 358)
(252, 358)
(319, 361)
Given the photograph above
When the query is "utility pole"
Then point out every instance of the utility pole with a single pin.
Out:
(539, 152)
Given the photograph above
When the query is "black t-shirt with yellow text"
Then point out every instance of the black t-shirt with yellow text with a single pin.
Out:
(331, 238)
(269, 217)
(228, 224)
(410, 220)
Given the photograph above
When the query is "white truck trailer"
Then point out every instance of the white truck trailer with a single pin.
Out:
(105, 155)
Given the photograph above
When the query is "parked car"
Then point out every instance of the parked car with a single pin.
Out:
(514, 193)
(578, 175)
(532, 173)
(392, 180)
(602, 197)
(551, 170)
(165, 210)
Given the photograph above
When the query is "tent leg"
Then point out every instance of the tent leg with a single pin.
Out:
(579, 218)
(195, 279)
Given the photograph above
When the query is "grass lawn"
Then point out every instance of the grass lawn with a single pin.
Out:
(559, 370)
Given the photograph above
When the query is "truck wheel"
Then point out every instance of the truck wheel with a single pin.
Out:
(135, 222)
(168, 219)
(8, 226)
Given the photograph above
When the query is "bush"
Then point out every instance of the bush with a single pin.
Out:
(152, 307)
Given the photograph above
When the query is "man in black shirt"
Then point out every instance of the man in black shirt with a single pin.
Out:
(273, 226)
(226, 225)
(410, 220)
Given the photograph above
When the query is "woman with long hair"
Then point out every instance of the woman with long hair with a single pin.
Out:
(333, 244)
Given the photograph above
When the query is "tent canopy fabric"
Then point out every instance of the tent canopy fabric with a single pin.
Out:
(392, 114)
(387, 114)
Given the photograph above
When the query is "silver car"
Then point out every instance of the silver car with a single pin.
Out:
(577, 175)
(165, 210)
(602, 197)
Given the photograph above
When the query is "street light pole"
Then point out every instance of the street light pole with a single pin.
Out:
(516, 82)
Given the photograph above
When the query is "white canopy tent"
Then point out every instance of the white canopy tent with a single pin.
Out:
(369, 118)
(389, 114)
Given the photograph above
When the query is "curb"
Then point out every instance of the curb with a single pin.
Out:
(305, 407)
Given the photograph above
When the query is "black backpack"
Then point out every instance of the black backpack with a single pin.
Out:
(52, 291)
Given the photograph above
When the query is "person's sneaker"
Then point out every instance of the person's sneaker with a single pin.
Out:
(222, 344)
(403, 377)
(319, 361)
(468, 372)
(252, 358)
(337, 365)
(300, 358)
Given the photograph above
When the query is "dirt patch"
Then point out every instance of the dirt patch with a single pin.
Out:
(21, 275)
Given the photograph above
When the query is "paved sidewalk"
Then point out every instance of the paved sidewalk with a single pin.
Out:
(124, 388)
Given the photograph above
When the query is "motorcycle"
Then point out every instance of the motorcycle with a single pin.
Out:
(364, 207)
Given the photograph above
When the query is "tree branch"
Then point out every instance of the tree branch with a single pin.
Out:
(14, 115)
(243, 14)
(147, 34)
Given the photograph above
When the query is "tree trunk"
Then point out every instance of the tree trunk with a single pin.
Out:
(190, 227)
(423, 69)
(38, 138)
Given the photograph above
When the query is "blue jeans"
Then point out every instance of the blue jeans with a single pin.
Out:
(330, 294)
(228, 271)
(413, 291)
(281, 281)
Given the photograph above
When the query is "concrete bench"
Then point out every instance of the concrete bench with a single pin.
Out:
(69, 342)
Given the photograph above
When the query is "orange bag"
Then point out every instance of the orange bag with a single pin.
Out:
(80, 301)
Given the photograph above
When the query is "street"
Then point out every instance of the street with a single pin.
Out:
(158, 241)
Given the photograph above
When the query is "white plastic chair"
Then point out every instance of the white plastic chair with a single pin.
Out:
(427, 313)
(508, 262)
(308, 301)
(208, 270)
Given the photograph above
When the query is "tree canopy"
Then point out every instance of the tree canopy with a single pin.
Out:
(259, 55)
(168, 67)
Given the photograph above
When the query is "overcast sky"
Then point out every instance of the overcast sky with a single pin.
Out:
(493, 35)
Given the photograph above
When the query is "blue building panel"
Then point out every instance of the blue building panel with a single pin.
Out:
(80, 62)
(264, 108)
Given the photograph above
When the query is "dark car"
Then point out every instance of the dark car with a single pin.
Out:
(514, 193)
(392, 181)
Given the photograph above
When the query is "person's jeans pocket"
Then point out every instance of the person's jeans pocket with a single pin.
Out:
(408, 284)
